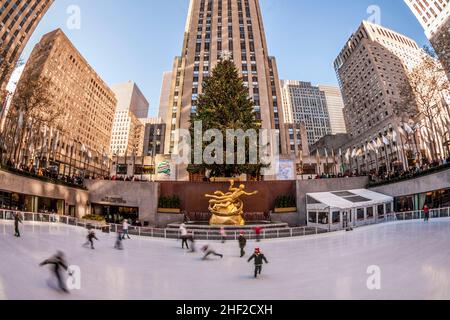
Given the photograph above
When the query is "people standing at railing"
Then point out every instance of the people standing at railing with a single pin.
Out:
(242, 243)
(125, 226)
(17, 220)
(426, 211)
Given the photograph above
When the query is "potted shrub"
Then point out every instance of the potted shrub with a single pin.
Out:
(284, 204)
(169, 204)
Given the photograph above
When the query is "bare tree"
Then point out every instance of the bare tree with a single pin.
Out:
(32, 116)
(423, 95)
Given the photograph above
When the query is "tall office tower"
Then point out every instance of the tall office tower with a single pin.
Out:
(335, 105)
(129, 97)
(128, 128)
(89, 105)
(127, 136)
(155, 131)
(216, 29)
(165, 95)
(434, 16)
(308, 105)
(18, 20)
(371, 69)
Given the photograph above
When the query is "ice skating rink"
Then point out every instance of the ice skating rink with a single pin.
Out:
(414, 259)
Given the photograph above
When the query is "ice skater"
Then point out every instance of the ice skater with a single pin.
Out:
(223, 234)
(426, 211)
(184, 236)
(258, 231)
(209, 251)
(17, 220)
(58, 262)
(242, 243)
(118, 245)
(191, 239)
(125, 226)
(90, 239)
(260, 258)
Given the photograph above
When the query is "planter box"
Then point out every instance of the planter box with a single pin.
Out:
(169, 210)
(286, 210)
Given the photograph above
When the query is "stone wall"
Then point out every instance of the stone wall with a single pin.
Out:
(424, 184)
(192, 194)
(142, 195)
(34, 187)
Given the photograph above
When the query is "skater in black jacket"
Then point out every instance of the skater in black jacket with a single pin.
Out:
(16, 225)
(259, 258)
(90, 239)
(58, 263)
(242, 243)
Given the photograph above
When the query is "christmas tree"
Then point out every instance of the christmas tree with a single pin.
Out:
(225, 104)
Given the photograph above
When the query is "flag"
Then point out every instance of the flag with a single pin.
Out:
(359, 152)
(394, 136)
(386, 141)
(408, 129)
(340, 152)
(318, 157)
(347, 155)
(401, 131)
(83, 148)
(354, 153)
(326, 153)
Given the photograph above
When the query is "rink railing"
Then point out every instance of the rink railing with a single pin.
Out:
(213, 234)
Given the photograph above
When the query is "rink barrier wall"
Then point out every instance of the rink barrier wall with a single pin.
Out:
(214, 235)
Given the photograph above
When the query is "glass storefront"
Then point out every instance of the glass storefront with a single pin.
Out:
(116, 214)
(436, 199)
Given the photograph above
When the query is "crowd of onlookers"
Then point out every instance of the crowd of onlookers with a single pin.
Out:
(50, 173)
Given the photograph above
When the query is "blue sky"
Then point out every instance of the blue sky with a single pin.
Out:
(138, 39)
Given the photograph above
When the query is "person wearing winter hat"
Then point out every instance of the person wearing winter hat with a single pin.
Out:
(259, 258)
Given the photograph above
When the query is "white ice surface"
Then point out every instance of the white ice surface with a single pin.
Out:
(414, 258)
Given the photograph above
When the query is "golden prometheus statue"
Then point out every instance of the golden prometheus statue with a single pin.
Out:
(228, 208)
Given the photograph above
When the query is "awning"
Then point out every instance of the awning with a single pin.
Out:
(347, 199)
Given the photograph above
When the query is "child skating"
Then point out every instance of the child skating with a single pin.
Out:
(90, 239)
(259, 260)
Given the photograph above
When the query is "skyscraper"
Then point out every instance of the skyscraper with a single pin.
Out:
(307, 104)
(217, 28)
(335, 105)
(434, 16)
(165, 95)
(371, 69)
(18, 20)
(128, 128)
(431, 14)
(130, 97)
(82, 144)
